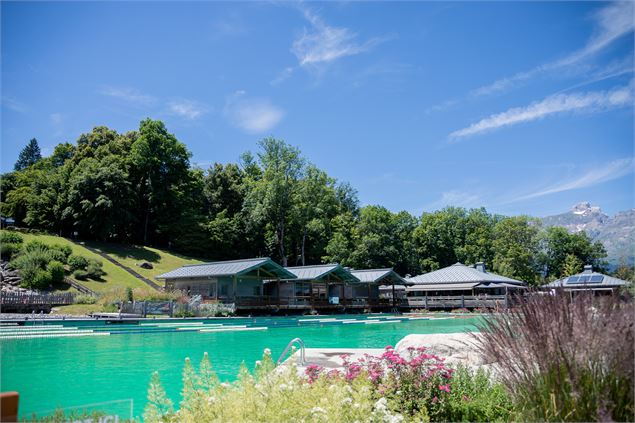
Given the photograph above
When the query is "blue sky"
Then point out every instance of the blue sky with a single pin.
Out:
(518, 107)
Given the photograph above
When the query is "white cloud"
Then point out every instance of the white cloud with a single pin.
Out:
(613, 170)
(130, 95)
(283, 76)
(322, 44)
(13, 104)
(457, 199)
(56, 118)
(253, 115)
(554, 104)
(612, 22)
(187, 109)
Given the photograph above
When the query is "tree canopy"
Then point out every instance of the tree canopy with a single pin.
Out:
(139, 187)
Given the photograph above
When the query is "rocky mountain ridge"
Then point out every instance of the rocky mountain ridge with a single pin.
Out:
(617, 232)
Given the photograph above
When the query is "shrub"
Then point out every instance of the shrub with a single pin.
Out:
(41, 280)
(565, 359)
(33, 257)
(56, 270)
(77, 262)
(35, 244)
(94, 269)
(8, 250)
(85, 299)
(65, 250)
(389, 388)
(10, 237)
(80, 274)
(129, 294)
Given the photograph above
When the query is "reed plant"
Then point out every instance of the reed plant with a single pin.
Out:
(565, 358)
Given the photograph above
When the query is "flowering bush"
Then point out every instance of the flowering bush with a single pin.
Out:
(389, 388)
(421, 386)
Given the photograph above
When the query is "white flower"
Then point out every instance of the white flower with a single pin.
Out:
(258, 363)
(318, 410)
(267, 351)
(347, 400)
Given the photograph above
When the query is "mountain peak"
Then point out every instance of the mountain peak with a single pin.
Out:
(585, 208)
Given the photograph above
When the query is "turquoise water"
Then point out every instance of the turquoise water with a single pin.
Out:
(71, 371)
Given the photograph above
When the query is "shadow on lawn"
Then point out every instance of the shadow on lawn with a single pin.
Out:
(127, 251)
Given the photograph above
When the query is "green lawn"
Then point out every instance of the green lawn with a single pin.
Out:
(131, 255)
(115, 277)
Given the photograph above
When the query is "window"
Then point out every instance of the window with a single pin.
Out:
(302, 289)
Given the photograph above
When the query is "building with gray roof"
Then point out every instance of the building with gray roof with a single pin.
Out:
(227, 281)
(461, 286)
(588, 280)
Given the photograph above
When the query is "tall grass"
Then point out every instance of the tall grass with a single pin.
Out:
(565, 359)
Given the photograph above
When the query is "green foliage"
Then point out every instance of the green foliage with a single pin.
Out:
(267, 394)
(129, 294)
(56, 271)
(9, 250)
(94, 269)
(29, 155)
(39, 279)
(516, 248)
(85, 299)
(565, 253)
(11, 237)
(77, 262)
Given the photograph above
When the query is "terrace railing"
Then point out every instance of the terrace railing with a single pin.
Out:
(457, 301)
(24, 299)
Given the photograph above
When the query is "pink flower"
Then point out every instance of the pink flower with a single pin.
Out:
(466, 398)
(435, 400)
(445, 388)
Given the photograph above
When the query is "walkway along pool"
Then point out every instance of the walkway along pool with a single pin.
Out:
(74, 363)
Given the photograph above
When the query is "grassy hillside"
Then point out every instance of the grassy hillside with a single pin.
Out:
(130, 255)
(115, 277)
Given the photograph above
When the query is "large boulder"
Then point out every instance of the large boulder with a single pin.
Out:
(145, 265)
(456, 348)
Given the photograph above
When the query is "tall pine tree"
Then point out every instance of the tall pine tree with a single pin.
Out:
(29, 155)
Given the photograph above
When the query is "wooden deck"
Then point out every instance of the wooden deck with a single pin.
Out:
(20, 302)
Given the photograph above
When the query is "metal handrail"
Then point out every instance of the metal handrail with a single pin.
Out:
(289, 345)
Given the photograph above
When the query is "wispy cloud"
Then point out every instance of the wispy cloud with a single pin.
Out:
(229, 26)
(187, 109)
(14, 105)
(130, 95)
(554, 104)
(456, 198)
(323, 43)
(56, 118)
(611, 23)
(253, 115)
(608, 172)
(283, 76)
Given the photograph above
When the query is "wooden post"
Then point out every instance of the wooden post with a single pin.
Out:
(394, 303)
(426, 300)
(9, 406)
(506, 299)
(235, 287)
(462, 300)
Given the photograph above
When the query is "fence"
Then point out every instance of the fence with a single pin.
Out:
(20, 298)
(171, 308)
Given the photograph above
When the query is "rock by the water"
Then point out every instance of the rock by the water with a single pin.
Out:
(457, 348)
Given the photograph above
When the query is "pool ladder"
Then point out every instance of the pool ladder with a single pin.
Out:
(289, 345)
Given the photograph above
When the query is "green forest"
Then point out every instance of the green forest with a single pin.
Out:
(139, 187)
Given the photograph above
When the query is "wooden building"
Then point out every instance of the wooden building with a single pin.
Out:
(461, 286)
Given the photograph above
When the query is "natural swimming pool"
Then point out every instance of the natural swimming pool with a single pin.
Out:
(115, 361)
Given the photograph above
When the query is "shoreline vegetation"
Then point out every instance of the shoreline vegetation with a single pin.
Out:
(555, 358)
